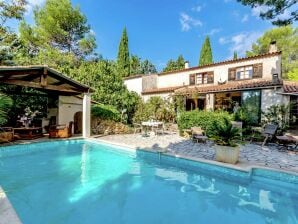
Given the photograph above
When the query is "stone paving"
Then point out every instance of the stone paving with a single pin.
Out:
(250, 154)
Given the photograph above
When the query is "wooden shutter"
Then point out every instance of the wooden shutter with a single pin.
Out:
(210, 77)
(232, 74)
(257, 71)
(192, 79)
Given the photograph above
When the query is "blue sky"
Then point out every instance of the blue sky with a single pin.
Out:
(159, 30)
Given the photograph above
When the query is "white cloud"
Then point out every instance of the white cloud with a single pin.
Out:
(31, 4)
(197, 8)
(222, 40)
(256, 11)
(213, 31)
(244, 18)
(187, 22)
(240, 42)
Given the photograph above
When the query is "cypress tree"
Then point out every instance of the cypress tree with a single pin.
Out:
(235, 55)
(206, 53)
(123, 60)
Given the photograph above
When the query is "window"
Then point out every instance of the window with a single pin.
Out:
(201, 78)
(246, 72)
(192, 79)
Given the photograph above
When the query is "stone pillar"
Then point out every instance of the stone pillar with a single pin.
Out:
(86, 115)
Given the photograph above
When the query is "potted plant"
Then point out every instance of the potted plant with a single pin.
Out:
(226, 137)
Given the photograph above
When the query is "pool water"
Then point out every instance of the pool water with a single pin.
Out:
(74, 182)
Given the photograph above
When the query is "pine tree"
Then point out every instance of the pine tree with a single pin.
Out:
(123, 60)
(235, 55)
(206, 53)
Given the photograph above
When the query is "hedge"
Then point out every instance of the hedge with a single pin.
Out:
(203, 119)
(106, 112)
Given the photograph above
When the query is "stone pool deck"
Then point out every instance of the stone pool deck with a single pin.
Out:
(250, 154)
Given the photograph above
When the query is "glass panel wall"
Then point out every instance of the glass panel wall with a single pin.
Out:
(251, 100)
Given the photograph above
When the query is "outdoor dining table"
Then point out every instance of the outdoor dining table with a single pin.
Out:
(149, 125)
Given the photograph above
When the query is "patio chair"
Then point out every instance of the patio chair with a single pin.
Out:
(61, 131)
(287, 141)
(198, 134)
(158, 128)
(269, 132)
(137, 128)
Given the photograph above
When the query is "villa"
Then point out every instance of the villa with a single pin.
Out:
(255, 80)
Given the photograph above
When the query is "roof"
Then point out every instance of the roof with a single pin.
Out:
(290, 87)
(42, 78)
(224, 62)
(160, 90)
(266, 55)
(230, 86)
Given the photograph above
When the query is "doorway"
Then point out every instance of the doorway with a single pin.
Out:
(78, 122)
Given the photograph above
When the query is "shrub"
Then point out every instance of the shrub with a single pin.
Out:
(204, 119)
(5, 105)
(277, 114)
(155, 108)
(105, 112)
(224, 133)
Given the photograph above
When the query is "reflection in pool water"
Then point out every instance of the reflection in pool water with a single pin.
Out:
(84, 182)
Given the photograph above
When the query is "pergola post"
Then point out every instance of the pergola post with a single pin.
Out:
(86, 115)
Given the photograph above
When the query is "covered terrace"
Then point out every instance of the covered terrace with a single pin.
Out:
(71, 99)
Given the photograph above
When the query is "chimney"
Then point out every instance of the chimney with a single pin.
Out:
(272, 47)
(275, 79)
(186, 65)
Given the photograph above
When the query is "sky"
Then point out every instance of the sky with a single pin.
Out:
(159, 30)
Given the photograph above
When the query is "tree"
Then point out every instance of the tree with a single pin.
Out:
(235, 56)
(286, 38)
(9, 42)
(173, 65)
(275, 10)
(5, 104)
(123, 60)
(61, 26)
(135, 65)
(109, 86)
(13, 9)
(206, 53)
(293, 74)
(147, 67)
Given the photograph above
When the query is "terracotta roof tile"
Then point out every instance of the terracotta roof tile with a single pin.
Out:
(224, 62)
(290, 87)
(230, 86)
(161, 90)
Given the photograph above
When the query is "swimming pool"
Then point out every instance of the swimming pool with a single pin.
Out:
(77, 181)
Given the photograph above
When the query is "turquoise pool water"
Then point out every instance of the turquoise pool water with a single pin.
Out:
(74, 182)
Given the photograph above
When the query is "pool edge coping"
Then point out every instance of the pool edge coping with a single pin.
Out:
(248, 169)
(8, 214)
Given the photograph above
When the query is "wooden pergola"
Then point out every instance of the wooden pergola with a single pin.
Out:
(50, 81)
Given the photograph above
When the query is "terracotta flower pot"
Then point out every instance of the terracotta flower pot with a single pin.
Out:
(227, 154)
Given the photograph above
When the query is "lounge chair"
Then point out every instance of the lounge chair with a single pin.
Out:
(198, 134)
(287, 141)
(61, 131)
(269, 132)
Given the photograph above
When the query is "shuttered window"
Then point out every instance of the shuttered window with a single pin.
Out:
(192, 79)
(210, 77)
(232, 74)
(257, 70)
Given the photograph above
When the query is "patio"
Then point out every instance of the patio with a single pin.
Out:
(250, 155)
